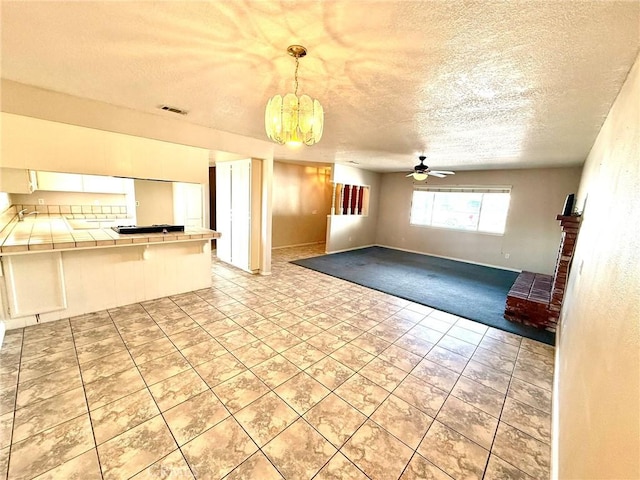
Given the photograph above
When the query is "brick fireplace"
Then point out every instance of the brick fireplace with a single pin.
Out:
(536, 299)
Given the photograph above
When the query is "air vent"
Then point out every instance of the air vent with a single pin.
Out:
(173, 109)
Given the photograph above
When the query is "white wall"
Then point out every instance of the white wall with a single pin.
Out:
(532, 234)
(597, 391)
(346, 232)
(154, 202)
(301, 203)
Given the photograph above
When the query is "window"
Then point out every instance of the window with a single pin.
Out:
(476, 209)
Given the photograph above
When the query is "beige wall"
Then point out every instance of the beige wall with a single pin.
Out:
(532, 234)
(154, 202)
(345, 232)
(301, 203)
(597, 392)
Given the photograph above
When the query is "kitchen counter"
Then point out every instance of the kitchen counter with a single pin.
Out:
(47, 232)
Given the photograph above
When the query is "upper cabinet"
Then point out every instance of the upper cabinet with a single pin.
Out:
(74, 182)
(17, 180)
(31, 143)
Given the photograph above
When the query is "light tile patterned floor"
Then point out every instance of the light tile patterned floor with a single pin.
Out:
(295, 375)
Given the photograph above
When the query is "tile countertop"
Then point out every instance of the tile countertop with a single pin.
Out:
(53, 232)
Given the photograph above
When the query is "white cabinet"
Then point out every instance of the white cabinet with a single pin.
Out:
(187, 204)
(60, 182)
(17, 180)
(75, 182)
(238, 207)
(35, 283)
(102, 184)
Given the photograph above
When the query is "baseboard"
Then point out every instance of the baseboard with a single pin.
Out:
(451, 258)
(354, 248)
(297, 245)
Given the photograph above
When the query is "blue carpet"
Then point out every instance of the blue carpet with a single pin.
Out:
(471, 291)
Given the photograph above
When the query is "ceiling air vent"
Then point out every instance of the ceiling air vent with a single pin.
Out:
(173, 109)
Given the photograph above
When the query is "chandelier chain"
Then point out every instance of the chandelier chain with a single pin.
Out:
(295, 76)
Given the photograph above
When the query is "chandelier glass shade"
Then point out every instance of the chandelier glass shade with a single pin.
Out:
(294, 119)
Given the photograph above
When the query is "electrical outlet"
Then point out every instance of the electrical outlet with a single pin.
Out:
(41, 201)
(507, 255)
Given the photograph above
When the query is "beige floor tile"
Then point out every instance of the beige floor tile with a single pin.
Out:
(420, 468)
(468, 420)
(262, 328)
(33, 350)
(495, 345)
(447, 358)
(370, 343)
(93, 335)
(335, 419)
(50, 448)
(330, 372)
(299, 451)
(303, 355)
(505, 337)
(36, 417)
(82, 467)
(426, 334)
(236, 339)
(494, 360)
(340, 468)
(220, 327)
(326, 342)
(162, 368)
(48, 386)
(376, 452)
(522, 451)
(220, 369)
(194, 416)
(219, 450)
(152, 350)
(6, 426)
(123, 414)
(135, 449)
(266, 417)
(188, 338)
(455, 345)
(352, 356)
(422, 395)
(4, 462)
(41, 366)
(527, 419)
(174, 390)
(301, 392)
(171, 467)
(102, 348)
(142, 336)
(465, 334)
(383, 374)
(282, 340)
(453, 453)
(486, 399)
(254, 353)
(436, 375)
(400, 358)
(404, 421)
(239, 391)
(414, 344)
(203, 352)
(487, 376)
(275, 371)
(112, 388)
(362, 393)
(105, 366)
(8, 398)
(178, 325)
(256, 466)
(498, 469)
(530, 394)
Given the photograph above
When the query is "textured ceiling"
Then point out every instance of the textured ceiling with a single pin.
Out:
(470, 84)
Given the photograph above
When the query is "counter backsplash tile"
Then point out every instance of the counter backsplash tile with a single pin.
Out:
(71, 211)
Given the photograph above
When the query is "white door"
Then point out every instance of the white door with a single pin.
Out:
(223, 211)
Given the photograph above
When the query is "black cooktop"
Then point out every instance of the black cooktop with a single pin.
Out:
(148, 228)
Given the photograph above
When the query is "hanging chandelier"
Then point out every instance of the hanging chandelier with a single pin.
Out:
(291, 119)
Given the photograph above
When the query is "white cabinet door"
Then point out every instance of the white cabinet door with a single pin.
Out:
(35, 283)
(223, 211)
(187, 204)
(17, 180)
(59, 182)
(102, 184)
(240, 213)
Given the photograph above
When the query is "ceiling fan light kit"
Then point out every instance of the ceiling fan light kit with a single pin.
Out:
(421, 171)
(291, 119)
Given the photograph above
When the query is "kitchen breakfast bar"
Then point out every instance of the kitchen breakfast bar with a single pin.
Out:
(51, 270)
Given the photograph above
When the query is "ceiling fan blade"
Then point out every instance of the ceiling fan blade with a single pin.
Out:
(444, 172)
(437, 174)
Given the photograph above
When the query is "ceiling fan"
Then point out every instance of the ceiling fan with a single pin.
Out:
(422, 171)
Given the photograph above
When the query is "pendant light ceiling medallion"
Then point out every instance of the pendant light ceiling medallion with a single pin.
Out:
(291, 119)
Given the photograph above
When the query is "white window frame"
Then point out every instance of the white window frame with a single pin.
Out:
(462, 189)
